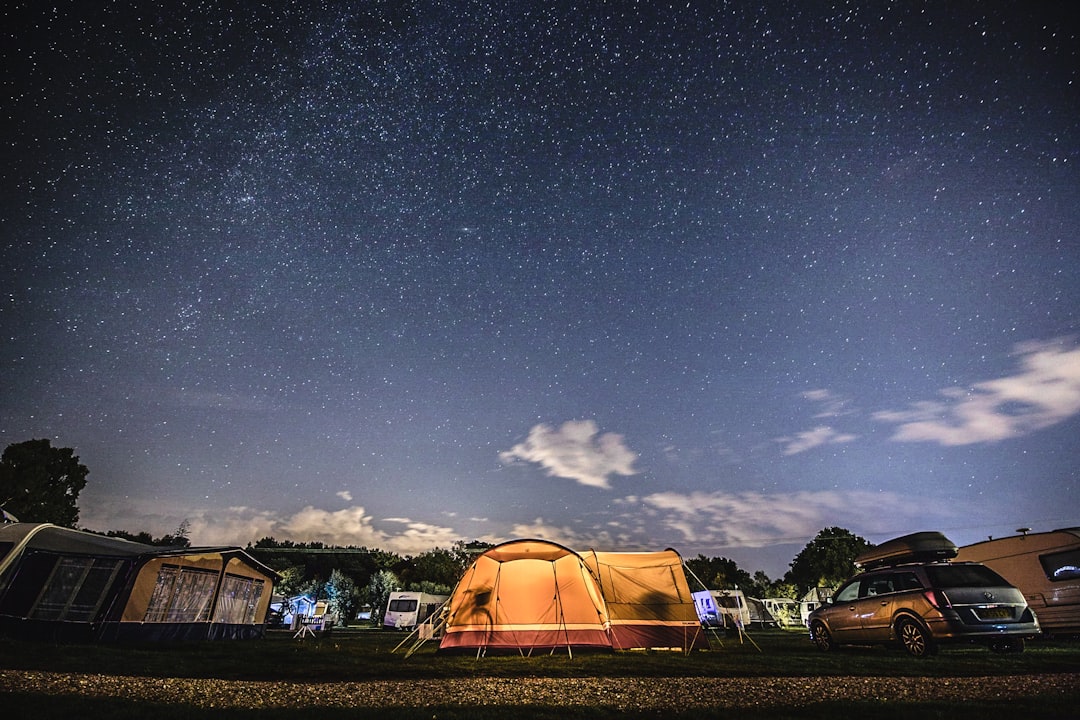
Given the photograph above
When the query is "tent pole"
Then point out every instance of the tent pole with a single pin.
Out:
(738, 624)
(562, 615)
(742, 630)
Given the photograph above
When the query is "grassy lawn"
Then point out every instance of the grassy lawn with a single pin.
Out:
(369, 654)
(357, 655)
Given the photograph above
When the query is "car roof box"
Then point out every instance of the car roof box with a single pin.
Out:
(917, 547)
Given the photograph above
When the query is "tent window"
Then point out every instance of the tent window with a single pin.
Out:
(239, 600)
(181, 595)
(76, 589)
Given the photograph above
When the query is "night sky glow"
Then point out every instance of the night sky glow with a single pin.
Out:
(623, 275)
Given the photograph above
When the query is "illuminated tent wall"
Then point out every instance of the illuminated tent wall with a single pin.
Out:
(68, 585)
(648, 600)
(526, 595)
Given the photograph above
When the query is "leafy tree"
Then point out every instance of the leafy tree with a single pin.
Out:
(431, 588)
(177, 538)
(40, 483)
(377, 593)
(291, 581)
(140, 537)
(358, 563)
(761, 586)
(438, 566)
(718, 573)
(465, 552)
(783, 589)
(344, 597)
(827, 560)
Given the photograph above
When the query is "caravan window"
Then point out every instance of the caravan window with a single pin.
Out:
(1062, 565)
(75, 589)
(239, 600)
(406, 605)
(182, 595)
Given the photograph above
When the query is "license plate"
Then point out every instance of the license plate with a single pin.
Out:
(996, 613)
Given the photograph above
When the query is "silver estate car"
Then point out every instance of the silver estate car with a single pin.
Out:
(921, 605)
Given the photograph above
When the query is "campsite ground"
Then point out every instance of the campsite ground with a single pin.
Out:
(357, 674)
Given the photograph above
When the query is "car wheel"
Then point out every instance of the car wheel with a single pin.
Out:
(821, 636)
(915, 639)
(1009, 646)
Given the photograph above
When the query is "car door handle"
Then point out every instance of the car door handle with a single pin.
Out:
(884, 603)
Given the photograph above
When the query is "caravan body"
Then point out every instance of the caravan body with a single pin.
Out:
(784, 611)
(722, 608)
(1046, 568)
(406, 610)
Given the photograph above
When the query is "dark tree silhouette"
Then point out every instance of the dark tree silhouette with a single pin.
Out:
(718, 573)
(827, 560)
(40, 483)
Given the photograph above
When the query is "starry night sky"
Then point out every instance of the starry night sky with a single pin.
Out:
(624, 275)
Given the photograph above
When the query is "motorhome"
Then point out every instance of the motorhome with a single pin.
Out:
(406, 609)
(722, 608)
(1046, 568)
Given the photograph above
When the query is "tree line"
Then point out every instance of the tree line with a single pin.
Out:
(41, 483)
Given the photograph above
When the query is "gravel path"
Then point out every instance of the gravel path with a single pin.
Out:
(623, 693)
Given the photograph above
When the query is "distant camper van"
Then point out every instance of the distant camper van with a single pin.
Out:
(406, 610)
(1046, 568)
(722, 608)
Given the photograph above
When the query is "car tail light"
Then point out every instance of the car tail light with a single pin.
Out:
(937, 598)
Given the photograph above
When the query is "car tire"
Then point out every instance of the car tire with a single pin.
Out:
(914, 638)
(821, 636)
(1010, 646)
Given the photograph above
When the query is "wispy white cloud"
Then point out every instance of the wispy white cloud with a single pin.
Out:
(575, 450)
(240, 525)
(810, 439)
(1043, 392)
(345, 495)
(750, 519)
(568, 537)
(832, 405)
(705, 522)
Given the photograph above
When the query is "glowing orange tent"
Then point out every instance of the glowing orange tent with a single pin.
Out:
(648, 600)
(527, 595)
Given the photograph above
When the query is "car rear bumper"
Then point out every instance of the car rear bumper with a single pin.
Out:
(947, 629)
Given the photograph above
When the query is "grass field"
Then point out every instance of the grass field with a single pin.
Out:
(359, 655)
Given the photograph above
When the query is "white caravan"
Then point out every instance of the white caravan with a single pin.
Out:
(1046, 568)
(722, 608)
(406, 609)
(784, 611)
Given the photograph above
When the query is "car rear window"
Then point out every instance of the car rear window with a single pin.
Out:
(958, 576)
